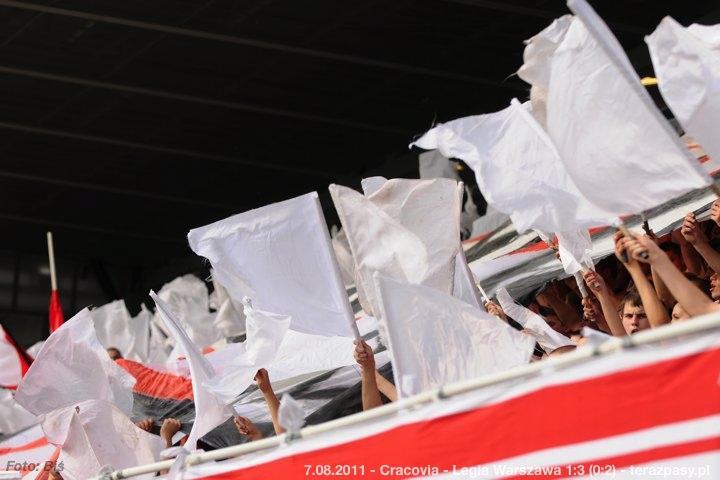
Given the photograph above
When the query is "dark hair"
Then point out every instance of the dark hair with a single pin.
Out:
(699, 282)
(671, 247)
(633, 298)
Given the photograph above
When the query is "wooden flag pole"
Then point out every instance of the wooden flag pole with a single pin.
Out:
(51, 258)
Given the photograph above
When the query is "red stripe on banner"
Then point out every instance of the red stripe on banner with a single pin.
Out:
(612, 465)
(665, 392)
(157, 384)
(40, 442)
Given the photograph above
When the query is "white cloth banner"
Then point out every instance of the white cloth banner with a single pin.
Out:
(435, 339)
(13, 417)
(210, 411)
(517, 168)
(464, 287)
(10, 366)
(115, 328)
(687, 66)
(72, 367)
(188, 299)
(237, 364)
(575, 250)
(94, 434)
(280, 256)
(408, 230)
(533, 323)
(619, 150)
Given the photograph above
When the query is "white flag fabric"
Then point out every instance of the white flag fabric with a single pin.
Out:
(533, 323)
(575, 248)
(341, 247)
(210, 411)
(230, 320)
(371, 185)
(240, 362)
(94, 434)
(464, 287)
(435, 339)
(11, 367)
(72, 367)
(115, 328)
(687, 66)
(280, 256)
(517, 168)
(13, 417)
(408, 230)
(619, 150)
(188, 299)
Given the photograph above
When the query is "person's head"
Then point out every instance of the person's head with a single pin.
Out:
(679, 314)
(632, 313)
(114, 353)
(672, 250)
(552, 319)
(714, 287)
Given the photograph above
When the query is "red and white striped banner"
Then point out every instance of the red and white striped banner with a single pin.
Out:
(638, 413)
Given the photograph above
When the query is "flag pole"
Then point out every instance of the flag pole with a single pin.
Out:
(51, 258)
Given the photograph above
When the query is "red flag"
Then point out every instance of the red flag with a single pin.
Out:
(56, 314)
(14, 361)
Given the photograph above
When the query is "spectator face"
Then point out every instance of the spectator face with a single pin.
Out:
(714, 287)
(679, 314)
(634, 318)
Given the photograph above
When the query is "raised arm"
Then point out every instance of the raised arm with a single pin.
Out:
(263, 382)
(693, 233)
(608, 302)
(370, 393)
(655, 310)
(690, 297)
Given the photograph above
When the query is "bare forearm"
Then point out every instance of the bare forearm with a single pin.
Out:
(609, 305)
(711, 256)
(662, 291)
(385, 387)
(274, 407)
(370, 393)
(690, 297)
(654, 309)
(691, 258)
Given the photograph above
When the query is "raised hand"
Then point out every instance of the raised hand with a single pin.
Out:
(246, 428)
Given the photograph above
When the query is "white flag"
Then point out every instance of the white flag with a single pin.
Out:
(517, 168)
(533, 323)
(13, 417)
(619, 150)
(240, 362)
(435, 339)
(687, 66)
(280, 256)
(115, 328)
(464, 287)
(72, 367)
(575, 248)
(210, 411)
(94, 434)
(408, 230)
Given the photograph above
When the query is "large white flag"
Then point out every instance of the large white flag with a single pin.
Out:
(280, 256)
(115, 328)
(687, 65)
(517, 168)
(575, 248)
(435, 339)
(240, 362)
(210, 411)
(72, 367)
(94, 434)
(464, 287)
(407, 229)
(619, 150)
(533, 323)
(13, 417)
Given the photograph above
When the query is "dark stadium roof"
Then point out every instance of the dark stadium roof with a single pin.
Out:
(125, 123)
